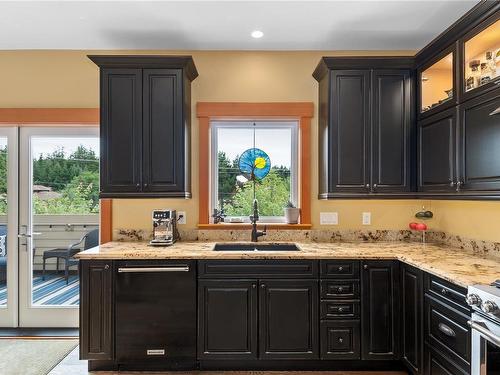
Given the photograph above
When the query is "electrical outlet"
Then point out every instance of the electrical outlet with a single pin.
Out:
(329, 218)
(181, 217)
(367, 218)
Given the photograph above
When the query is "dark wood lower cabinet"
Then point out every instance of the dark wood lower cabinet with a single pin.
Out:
(288, 319)
(380, 310)
(227, 319)
(437, 363)
(340, 339)
(411, 313)
(96, 310)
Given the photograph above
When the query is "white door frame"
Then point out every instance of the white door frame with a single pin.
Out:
(30, 315)
(9, 314)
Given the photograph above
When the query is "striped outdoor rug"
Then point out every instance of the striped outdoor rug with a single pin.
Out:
(51, 291)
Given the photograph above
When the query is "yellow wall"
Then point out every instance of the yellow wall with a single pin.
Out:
(69, 79)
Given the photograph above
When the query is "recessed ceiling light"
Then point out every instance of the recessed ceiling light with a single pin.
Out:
(257, 34)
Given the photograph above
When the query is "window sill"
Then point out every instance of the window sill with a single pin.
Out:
(270, 226)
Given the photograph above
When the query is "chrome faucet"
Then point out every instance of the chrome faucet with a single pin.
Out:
(254, 218)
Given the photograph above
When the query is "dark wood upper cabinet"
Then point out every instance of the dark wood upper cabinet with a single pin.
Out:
(392, 129)
(349, 137)
(380, 310)
(145, 125)
(480, 143)
(288, 319)
(437, 152)
(96, 310)
(227, 319)
(366, 126)
(412, 293)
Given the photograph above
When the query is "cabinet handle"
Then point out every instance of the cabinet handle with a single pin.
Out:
(106, 267)
(254, 286)
(452, 183)
(375, 186)
(367, 186)
(145, 185)
(340, 289)
(341, 269)
(340, 309)
(138, 186)
(341, 340)
(444, 291)
(365, 266)
(459, 184)
(263, 286)
(446, 330)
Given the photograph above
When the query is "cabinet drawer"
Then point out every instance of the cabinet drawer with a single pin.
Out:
(437, 364)
(340, 269)
(335, 289)
(446, 329)
(339, 309)
(258, 268)
(340, 340)
(447, 292)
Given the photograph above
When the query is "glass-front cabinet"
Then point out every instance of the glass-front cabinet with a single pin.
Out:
(436, 83)
(481, 57)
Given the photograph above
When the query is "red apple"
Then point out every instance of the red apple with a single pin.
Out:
(413, 226)
(421, 227)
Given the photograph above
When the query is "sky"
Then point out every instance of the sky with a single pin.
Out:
(275, 142)
(47, 145)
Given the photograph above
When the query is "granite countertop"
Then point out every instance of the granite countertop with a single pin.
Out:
(459, 266)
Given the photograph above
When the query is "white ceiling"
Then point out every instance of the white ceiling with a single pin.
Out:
(226, 25)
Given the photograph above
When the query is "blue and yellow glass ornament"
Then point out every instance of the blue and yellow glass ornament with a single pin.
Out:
(255, 164)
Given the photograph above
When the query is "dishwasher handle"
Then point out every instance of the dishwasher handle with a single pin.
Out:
(153, 269)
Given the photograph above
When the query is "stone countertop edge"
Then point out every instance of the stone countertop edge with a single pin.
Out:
(459, 266)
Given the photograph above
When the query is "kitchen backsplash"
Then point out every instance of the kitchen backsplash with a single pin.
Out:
(492, 248)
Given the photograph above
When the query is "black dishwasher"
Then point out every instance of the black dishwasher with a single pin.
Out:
(155, 312)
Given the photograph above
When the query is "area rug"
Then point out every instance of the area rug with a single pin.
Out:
(33, 356)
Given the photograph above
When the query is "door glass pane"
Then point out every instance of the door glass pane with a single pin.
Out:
(437, 83)
(482, 57)
(65, 207)
(3, 221)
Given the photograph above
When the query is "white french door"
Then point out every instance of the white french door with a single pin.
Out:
(41, 211)
(8, 226)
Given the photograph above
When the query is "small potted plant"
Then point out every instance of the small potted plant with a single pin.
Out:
(292, 213)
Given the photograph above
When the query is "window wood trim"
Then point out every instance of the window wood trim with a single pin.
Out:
(299, 111)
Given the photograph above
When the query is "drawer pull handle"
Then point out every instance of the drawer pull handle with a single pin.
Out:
(340, 289)
(340, 309)
(365, 266)
(446, 330)
(341, 340)
(341, 269)
(444, 291)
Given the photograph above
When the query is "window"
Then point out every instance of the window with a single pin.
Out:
(233, 191)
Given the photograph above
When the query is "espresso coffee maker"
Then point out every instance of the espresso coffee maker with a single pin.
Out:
(164, 228)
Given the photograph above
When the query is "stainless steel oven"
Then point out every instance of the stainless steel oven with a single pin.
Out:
(485, 325)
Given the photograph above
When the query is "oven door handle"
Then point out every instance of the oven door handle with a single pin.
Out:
(485, 332)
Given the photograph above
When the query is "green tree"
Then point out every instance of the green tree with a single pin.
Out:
(272, 193)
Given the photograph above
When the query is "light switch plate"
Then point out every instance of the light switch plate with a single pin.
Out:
(181, 220)
(367, 218)
(329, 218)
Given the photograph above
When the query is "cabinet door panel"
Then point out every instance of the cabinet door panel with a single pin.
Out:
(411, 312)
(480, 143)
(437, 152)
(288, 319)
(121, 130)
(391, 127)
(350, 136)
(227, 319)
(96, 310)
(163, 130)
(380, 310)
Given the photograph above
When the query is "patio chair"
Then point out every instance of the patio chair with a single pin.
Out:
(89, 240)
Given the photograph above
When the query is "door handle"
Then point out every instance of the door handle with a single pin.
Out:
(153, 269)
(28, 235)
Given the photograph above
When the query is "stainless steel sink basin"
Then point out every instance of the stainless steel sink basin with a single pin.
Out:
(256, 247)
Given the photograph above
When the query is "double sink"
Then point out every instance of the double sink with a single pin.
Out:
(256, 247)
